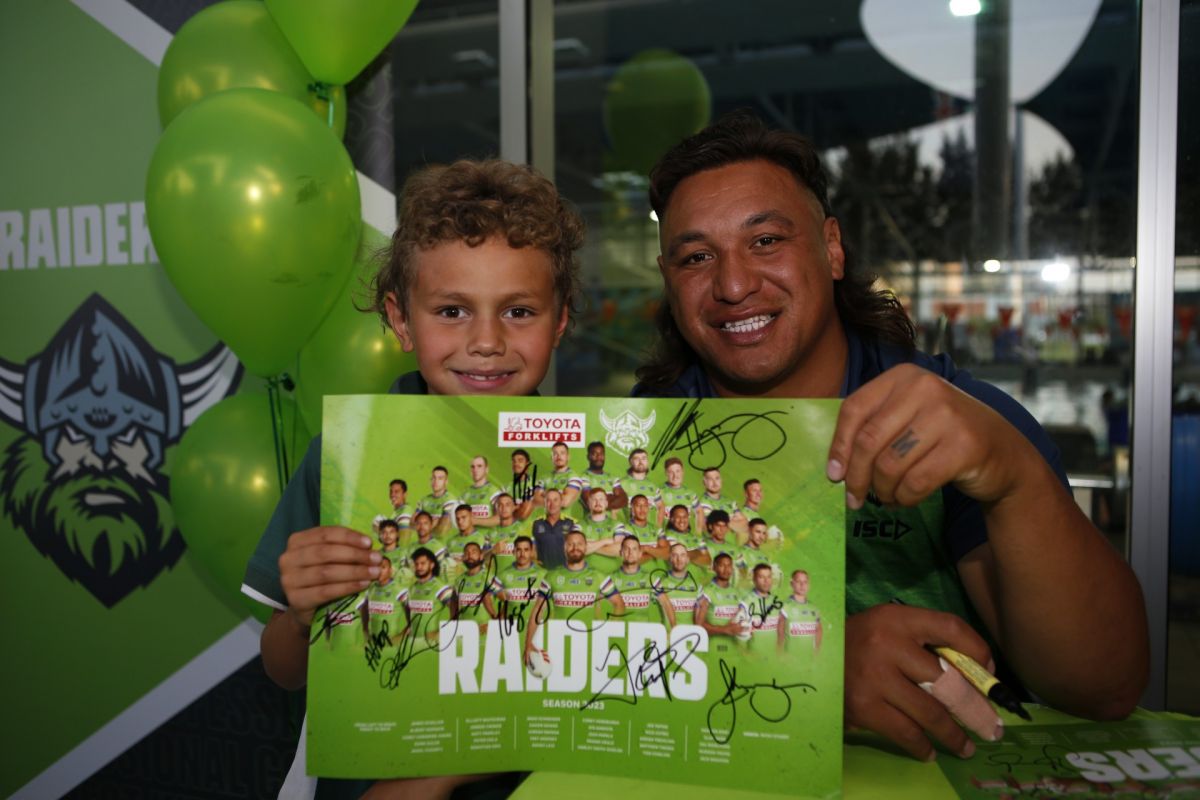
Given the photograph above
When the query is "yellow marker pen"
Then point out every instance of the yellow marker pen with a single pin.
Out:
(987, 683)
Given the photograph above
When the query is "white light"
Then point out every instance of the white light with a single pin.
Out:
(991, 265)
(965, 8)
(1056, 272)
(653, 216)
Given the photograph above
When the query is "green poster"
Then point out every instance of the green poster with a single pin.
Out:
(1135, 758)
(646, 650)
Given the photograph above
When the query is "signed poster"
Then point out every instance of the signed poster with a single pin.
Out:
(645, 588)
(1135, 758)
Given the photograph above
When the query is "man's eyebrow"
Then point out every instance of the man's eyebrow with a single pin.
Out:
(770, 215)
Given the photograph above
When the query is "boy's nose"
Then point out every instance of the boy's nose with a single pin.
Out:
(487, 337)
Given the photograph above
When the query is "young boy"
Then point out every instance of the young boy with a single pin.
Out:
(479, 281)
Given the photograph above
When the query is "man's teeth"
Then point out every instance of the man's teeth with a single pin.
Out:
(748, 325)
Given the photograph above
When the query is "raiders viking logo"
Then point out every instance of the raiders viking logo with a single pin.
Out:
(627, 431)
(99, 406)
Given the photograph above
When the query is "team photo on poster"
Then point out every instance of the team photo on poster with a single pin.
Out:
(636, 587)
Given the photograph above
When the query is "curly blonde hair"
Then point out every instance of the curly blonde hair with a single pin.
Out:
(472, 201)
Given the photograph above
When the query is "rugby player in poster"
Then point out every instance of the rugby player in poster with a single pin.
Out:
(749, 509)
(423, 525)
(603, 533)
(563, 478)
(762, 609)
(464, 518)
(439, 504)
(637, 481)
(801, 628)
(481, 494)
(571, 592)
(754, 554)
(427, 601)
(718, 541)
(515, 587)
(383, 613)
(471, 587)
(718, 603)
(401, 512)
(594, 477)
(504, 535)
(673, 492)
(389, 536)
(639, 525)
(644, 600)
(712, 499)
(527, 491)
(680, 585)
(678, 531)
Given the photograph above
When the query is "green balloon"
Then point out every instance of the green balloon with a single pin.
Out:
(336, 39)
(654, 100)
(351, 353)
(236, 44)
(254, 211)
(225, 484)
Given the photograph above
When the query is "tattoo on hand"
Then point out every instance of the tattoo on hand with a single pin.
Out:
(905, 443)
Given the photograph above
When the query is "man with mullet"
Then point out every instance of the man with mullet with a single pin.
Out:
(761, 300)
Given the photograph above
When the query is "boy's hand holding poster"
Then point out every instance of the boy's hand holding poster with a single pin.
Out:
(665, 604)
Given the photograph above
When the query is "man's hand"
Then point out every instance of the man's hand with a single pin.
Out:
(908, 432)
(322, 564)
(886, 659)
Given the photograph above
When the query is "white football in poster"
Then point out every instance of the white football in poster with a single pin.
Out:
(743, 619)
(539, 663)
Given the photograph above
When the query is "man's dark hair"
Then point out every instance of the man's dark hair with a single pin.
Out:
(735, 138)
(403, 484)
(718, 515)
(756, 521)
(389, 523)
(595, 444)
(420, 514)
(520, 451)
(522, 538)
(746, 484)
(427, 553)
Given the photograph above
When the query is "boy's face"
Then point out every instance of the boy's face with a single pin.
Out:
(481, 320)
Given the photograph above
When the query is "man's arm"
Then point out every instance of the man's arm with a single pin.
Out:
(668, 610)
(1045, 571)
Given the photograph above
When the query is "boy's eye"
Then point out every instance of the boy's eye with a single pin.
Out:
(520, 312)
(449, 312)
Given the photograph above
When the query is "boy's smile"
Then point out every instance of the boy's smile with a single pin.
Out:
(481, 319)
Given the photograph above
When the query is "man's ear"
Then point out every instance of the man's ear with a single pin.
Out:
(833, 248)
(561, 327)
(398, 321)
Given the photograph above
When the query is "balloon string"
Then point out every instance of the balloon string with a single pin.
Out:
(276, 430)
(321, 90)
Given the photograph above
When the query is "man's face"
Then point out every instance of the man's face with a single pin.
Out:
(479, 470)
(523, 554)
(754, 494)
(464, 520)
(519, 463)
(597, 502)
(723, 568)
(388, 535)
(385, 571)
(560, 456)
(718, 529)
(553, 502)
(758, 534)
(675, 474)
(437, 481)
(596, 457)
(422, 566)
(472, 556)
(712, 482)
(800, 584)
(631, 552)
(678, 558)
(424, 526)
(639, 463)
(505, 507)
(762, 580)
(641, 509)
(575, 548)
(748, 263)
(396, 494)
(680, 519)
(481, 320)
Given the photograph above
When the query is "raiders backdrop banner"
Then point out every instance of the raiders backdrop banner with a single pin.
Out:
(650, 588)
